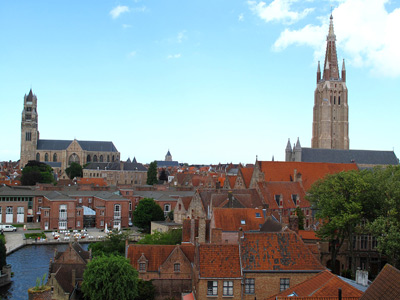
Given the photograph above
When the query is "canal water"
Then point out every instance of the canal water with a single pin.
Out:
(27, 264)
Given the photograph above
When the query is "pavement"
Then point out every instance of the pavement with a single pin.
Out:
(16, 240)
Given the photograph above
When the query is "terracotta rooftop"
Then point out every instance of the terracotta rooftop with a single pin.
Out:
(156, 254)
(94, 181)
(322, 285)
(308, 235)
(247, 173)
(231, 219)
(219, 261)
(231, 181)
(308, 173)
(386, 285)
(286, 190)
(277, 251)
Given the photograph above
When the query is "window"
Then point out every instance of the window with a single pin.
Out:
(130, 205)
(363, 242)
(78, 223)
(167, 208)
(39, 200)
(101, 158)
(37, 156)
(46, 213)
(101, 223)
(142, 267)
(249, 286)
(62, 225)
(29, 108)
(212, 288)
(294, 198)
(177, 267)
(258, 215)
(80, 200)
(55, 157)
(63, 212)
(28, 116)
(117, 211)
(374, 243)
(243, 222)
(73, 158)
(88, 159)
(284, 284)
(78, 213)
(94, 158)
(90, 200)
(277, 199)
(28, 136)
(46, 157)
(227, 288)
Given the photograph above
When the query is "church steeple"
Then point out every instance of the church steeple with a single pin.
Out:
(331, 56)
(330, 117)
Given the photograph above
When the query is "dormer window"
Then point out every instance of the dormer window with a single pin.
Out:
(294, 198)
(142, 267)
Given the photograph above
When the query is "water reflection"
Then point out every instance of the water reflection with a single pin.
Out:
(27, 264)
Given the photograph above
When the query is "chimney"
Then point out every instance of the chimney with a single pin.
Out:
(202, 230)
(362, 277)
(216, 235)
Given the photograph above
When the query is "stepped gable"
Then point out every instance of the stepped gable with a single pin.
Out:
(219, 261)
(276, 251)
(324, 284)
(156, 254)
(386, 285)
(304, 172)
(229, 219)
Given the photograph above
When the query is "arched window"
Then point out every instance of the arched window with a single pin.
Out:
(55, 157)
(339, 100)
(101, 158)
(73, 158)
(46, 157)
(108, 158)
(88, 159)
(38, 156)
(113, 158)
(94, 158)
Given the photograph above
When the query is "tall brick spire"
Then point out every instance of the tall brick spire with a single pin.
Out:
(331, 55)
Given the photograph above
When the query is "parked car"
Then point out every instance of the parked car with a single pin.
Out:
(7, 227)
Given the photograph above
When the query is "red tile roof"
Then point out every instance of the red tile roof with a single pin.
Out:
(247, 198)
(247, 173)
(186, 201)
(308, 235)
(231, 219)
(324, 284)
(188, 297)
(286, 189)
(277, 251)
(310, 172)
(386, 285)
(231, 181)
(94, 181)
(156, 254)
(219, 261)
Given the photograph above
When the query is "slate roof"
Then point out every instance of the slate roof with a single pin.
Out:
(276, 252)
(86, 145)
(310, 172)
(324, 284)
(164, 163)
(53, 164)
(231, 219)
(116, 166)
(156, 255)
(372, 157)
(219, 261)
(386, 285)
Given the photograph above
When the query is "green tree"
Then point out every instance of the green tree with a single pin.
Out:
(113, 244)
(74, 170)
(37, 172)
(171, 237)
(146, 211)
(152, 174)
(385, 225)
(110, 277)
(300, 215)
(338, 200)
(146, 290)
(3, 254)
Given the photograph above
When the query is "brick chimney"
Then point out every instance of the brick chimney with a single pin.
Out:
(202, 230)
(294, 223)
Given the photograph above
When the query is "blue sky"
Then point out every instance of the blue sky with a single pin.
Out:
(213, 81)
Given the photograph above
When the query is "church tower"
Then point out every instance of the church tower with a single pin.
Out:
(29, 129)
(331, 112)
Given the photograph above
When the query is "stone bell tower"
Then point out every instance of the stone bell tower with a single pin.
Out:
(29, 129)
(331, 111)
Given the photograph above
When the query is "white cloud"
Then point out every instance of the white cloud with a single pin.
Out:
(241, 18)
(171, 56)
(278, 10)
(117, 11)
(181, 36)
(126, 26)
(366, 36)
